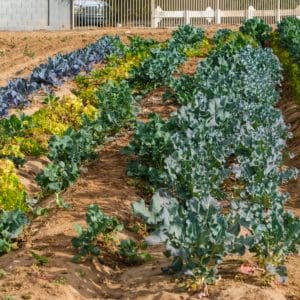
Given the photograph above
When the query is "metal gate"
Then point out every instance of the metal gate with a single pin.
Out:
(171, 13)
(112, 13)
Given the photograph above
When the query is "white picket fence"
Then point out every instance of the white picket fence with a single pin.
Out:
(218, 16)
(171, 13)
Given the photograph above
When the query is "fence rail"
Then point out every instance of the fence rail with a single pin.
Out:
(217, 16)
(171, 13)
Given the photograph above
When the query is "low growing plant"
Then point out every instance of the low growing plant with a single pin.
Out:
(98, 224)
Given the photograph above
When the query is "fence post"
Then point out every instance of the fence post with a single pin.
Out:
(72, 15)
(250, 13)
(187, 18)
(153, 21)
(278, 16)
(218, 16)
(218, 13)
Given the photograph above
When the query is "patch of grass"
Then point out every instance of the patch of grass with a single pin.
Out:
(61, 280)
(8, 297)
(2, 273)
(65, 39)
(81, 273)
(28, 52)
(40, 259)
(2, 52)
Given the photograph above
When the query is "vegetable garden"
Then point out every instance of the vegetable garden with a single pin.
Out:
(211, 174)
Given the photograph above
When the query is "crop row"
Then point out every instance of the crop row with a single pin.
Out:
(57, 69)
(70, 130)
(286, 44)
(218, 164)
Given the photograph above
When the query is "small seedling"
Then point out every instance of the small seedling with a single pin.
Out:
(2, 273)
(134, 253)
(41, 211)
(28, 52)
(81, 273)
(2, 52)
(61, 280)
(40, 259)
(60, 202)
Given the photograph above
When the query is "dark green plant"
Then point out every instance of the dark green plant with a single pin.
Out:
(12, 224)
(67, 153)
(186, 36)
(221, 35)
(117, 106)
(227, 146)
(150, 145)
(289, 36)
(258, 29)
(40, 259)
(134, 253)
(98, 224)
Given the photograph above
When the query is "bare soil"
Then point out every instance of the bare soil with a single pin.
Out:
(104, 182)
(20, 52)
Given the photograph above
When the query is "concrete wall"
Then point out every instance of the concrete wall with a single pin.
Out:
(35, 14)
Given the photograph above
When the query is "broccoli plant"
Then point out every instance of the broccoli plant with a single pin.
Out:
(258, 29)
(98, 224)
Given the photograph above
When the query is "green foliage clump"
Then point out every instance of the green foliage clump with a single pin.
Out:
(164, 61)
(12, 192)
(134, 253)
(151, 145)
(258, 29)
(221, 35)
(66, 153)
(117, 105)
(159, 66)
(291, 68)
(227, 146)
(12, 224)
(98, 224)
(186, 36)
(289, 36)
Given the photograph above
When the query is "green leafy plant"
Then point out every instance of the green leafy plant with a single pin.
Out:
(289, 35)
(133, 253)
(12, 224)
(157, 68)
(221, 35)
(186, 36)
(40, 259)
(227, 146)
(258, 29)
(12, 192)
(117, 105)
(98, 224)
(60, 201)
(197, 236)
(150, 144)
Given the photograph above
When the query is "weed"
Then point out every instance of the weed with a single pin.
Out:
(28, 52)
(40, 259)
(2, 273)
(61, 280)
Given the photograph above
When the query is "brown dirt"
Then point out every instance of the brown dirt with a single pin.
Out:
(104, 182)
(20, 52)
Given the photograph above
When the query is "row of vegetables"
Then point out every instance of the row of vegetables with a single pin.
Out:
(286, 45)
(70, 130)
(55, 71)
(218, 163)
